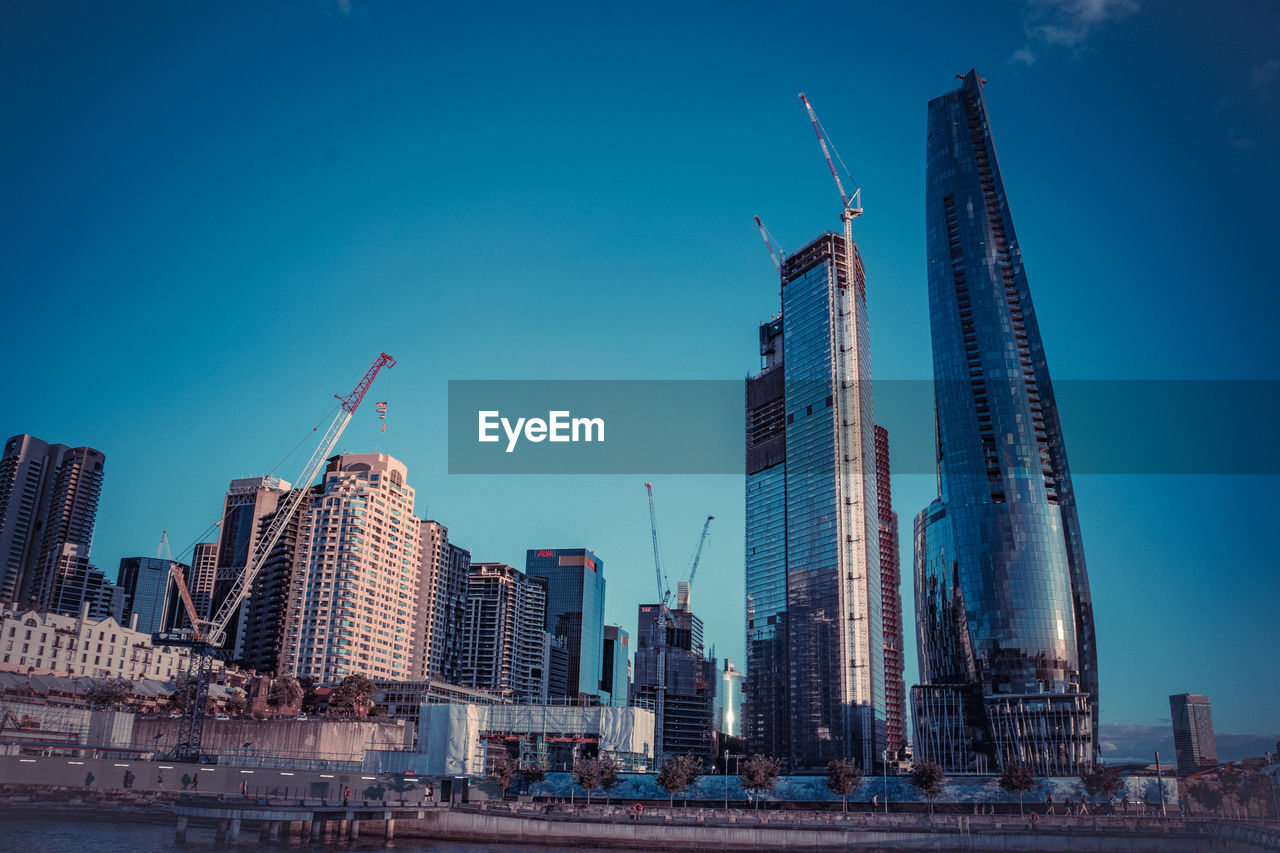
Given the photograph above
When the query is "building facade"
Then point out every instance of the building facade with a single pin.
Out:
(84, 645)
(1193, 738)
(895, 687)
(575, 611)
(247, 502)
(1003, 608)
(150, 593)
(728, 705)
(690, 682)
(615, 676)
(815, 640)
(266, 607)
(48, 501)
(505, 648)
(204, 574)
(353, 605)
(445, 571)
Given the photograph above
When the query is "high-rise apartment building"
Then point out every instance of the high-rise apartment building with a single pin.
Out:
(204, 574)
(266, 607)
(895, 688)
(443, 605)
(48, 501)
(1193, 738)
(815, 641)
(505, 647)
(247, 502)
(353, 606)
(690, 682)
(1005, 621)
(150, 593)
(575, 611)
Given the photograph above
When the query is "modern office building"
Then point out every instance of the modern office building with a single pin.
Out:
(266, 607)
(690, 682)
(443, 606)
(48, 500)
(815, 639)
(74, 583)
(247, 502)
(728, 705)
(575, 611)
(354, 601)
(505, 647)
(895, 687)
(1193, 739)
(150, 592)
(615, 676)
(1004, 615)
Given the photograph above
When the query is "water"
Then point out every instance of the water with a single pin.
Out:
(51, 829)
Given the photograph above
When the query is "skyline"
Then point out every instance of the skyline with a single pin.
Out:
(190, 217)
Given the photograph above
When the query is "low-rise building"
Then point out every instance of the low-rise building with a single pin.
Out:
(31, 641)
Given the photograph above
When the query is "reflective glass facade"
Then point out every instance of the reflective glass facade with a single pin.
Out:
(815, 645)
(575, 611)
(1002, 597)
(150, 592)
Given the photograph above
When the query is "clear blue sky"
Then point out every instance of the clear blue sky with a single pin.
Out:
(217, 214)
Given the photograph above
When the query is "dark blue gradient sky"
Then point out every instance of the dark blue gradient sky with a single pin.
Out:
(217, 214)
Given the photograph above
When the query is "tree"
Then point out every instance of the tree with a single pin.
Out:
(1254, 786)
(236, 702)
(503, 769)
(285, 692)
(354, 696)
(927, 777)
(678, 774)
(110, 693)
(609, 770)
(587, 772)
(310, 700)
(1018, 779)
(532, 774)
(843, 778)
(1101, 781)
(759, 773)
(1207, 795)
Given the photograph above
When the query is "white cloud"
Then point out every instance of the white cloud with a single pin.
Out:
(1263, 79)
(1023, 55)
(1067, 23)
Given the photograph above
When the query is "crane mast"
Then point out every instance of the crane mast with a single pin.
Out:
(210, 634)
(661, 641)
(697, 554)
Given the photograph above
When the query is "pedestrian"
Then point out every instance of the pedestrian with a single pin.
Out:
(186, 781)
(875, 801)
(128, 779)
(195, 781)
(1125, 803)
(1048, 804)
(159, 777)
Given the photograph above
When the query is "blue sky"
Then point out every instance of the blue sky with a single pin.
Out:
(218, 214)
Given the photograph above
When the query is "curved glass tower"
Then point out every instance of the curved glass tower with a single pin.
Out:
(1005, 622)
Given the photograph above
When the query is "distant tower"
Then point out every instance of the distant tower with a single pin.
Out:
(575, 610)
(1193, 738)
(505, 648)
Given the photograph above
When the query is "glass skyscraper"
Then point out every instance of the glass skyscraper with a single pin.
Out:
(575, 611)
(815, 643)
(1004, 616)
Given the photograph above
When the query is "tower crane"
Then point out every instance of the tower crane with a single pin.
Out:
(852, 422)
(208, 634)
(697, 556)
(777, 256)
(664, 595)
